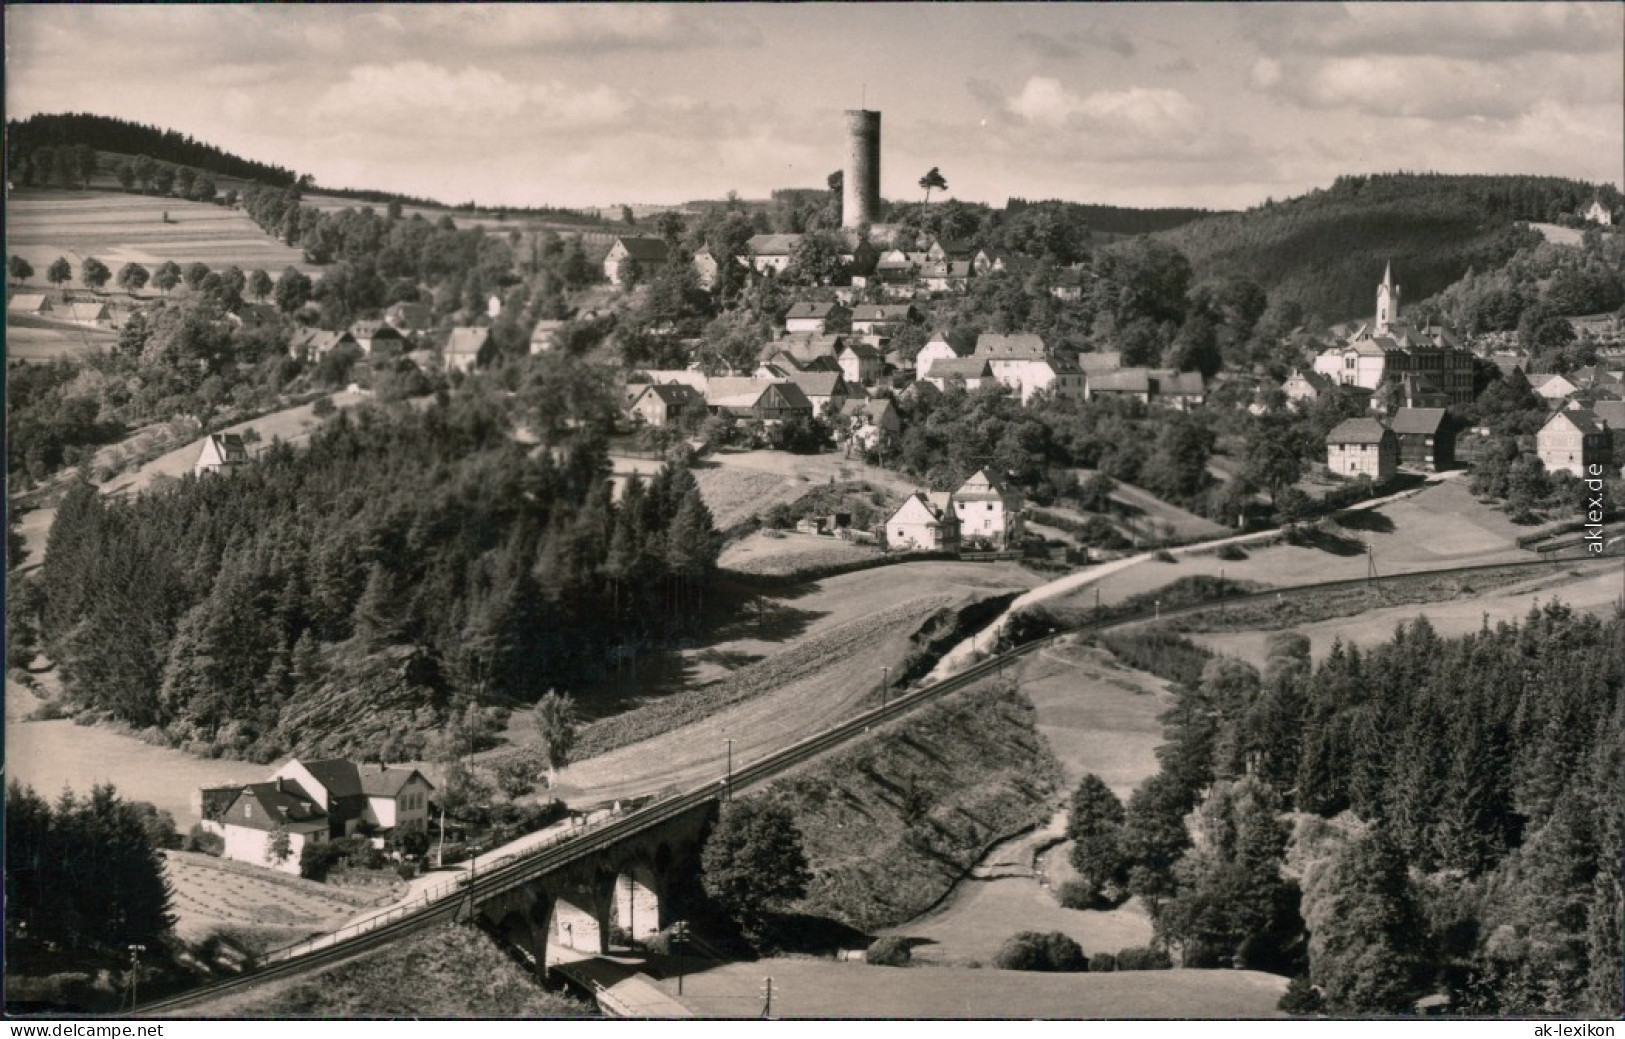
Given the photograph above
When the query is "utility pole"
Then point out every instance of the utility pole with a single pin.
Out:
(679, 940)
(767, 998)
(885, 684)
(728, 789)
(135, 971)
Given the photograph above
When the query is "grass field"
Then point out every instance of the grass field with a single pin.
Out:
(795, 696)
(257, 909)
(807, 988)
(51, 755)
(117, 229)
(762, 553)
(35, 339)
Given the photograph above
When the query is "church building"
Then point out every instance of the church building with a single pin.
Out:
(1426, 361)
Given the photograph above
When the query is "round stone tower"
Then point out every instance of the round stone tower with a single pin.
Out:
(860, 197)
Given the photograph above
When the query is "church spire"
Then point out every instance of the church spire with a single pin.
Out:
(1387, 299)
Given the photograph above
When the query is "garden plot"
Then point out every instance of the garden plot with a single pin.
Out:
(257, 909)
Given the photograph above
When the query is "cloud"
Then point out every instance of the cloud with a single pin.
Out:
(1478, 31)
(1074, 44)
(580, 28)
(418, 97)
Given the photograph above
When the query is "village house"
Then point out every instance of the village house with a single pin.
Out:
(807, 350)
(665, 403)
(878, 413)
(945, 277)
(860, 363)
(316, 343)
(542, 337)
(370, 335)
(1597, 213)
(937, 348)
(1022, 362)
(1553, 386)
(1362, 447)
(410, 319)
(91, 314)
(249, 826)
(950, 249)
(646, 253)
(1572, 441)
(988, 511)
(764, 400)
(771, 252)
(221, 453)
(822, 389)
(378, 797)
(691, 377)
(705, 268)
(31, 304)
(816, 318)
(1427, 438)
(881, 318)
(469, 347)
(971, 373)
(1305, 386)
(1070, 283)
(923, 523)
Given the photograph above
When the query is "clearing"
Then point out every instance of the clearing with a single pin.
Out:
(825, 988)
(1144, 511)
(847, 628)
(51, 755)
(117, 228)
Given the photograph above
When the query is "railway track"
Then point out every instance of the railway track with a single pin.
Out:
(555, 856)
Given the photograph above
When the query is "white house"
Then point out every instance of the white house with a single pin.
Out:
(250, 824)
(815, 317)
(924, 523)
(647, 253)
(1572, 441)
(380, 796)
(543, 336)
(1362, 447)
(468, 348)
(937, 348)
(860, 363)
(988, 510)
(221, 453)
(1598, 213)
(1022, 362)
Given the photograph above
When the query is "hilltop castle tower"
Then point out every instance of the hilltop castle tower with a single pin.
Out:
(1387, 300)
(860, 196)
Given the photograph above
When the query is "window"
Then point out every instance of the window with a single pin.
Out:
(248, 809)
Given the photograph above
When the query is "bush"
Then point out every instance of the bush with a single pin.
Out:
(1053, 952)
(1102, 963)
(889, 951)
(1231, 553)
(1301, 997)
(323, 407)
(1143, 958)
(199, 839)
(1075, 894)
(1165, 556)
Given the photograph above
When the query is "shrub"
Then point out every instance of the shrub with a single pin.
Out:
(199, 839)
(889, 951)
(1143, 958)
(323, 407)
(1030, 950)
(406, 870)
(1231, 553)
(1075, 894)
(1301, 997)
(1102, 963)
(1165, 556)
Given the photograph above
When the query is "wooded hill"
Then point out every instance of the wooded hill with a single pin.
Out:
(354, 597)
(1326, 250)
(106, 134)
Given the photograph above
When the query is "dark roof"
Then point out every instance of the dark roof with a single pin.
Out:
(1583, 419)
(1102, 361)
(384, 781)
(1611, 412)
(1124, 380)
(282, 802)
(1357, 431)
(862, 350)
(1426, 421)
(336, 774)
(773, 244)
(1019, 345)
(644, 250)
(374, 329)
(675, 395)
(811, 309)
(818, 384)
(216, 799)
(959, 367)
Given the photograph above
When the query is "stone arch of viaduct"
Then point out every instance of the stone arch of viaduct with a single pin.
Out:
(632, 886)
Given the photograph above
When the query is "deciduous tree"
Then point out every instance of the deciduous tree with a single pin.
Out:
(753, 862)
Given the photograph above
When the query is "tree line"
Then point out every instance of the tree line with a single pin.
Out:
(108, 134)
(408, 562)
(1430, 815)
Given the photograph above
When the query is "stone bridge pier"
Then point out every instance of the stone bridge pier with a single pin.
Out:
(629, 890)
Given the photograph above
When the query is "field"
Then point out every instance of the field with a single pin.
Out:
(51, 755)
(1591, 588)
(256, 909)
(444, 972)
(1149, 512)
(117, 229)
(826, 988)
(763, 553)
(795, 690)
(37, 339)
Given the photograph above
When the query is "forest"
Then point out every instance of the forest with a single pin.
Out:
(107, 134)
(1325, 250)
(353, 596)
(1428, 816)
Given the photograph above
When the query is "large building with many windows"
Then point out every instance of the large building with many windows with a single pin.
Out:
(1426, 359)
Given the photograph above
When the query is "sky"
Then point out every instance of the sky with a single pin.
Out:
(1213, 105)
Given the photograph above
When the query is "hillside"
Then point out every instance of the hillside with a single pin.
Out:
(892, 822)
(1326, 249)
